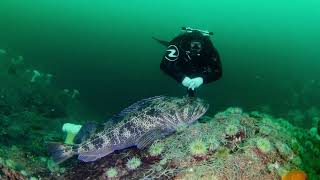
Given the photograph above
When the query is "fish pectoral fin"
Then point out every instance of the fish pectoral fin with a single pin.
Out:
(94, 155)
(149, 137)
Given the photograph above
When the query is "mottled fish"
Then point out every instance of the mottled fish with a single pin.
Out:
(137, 125)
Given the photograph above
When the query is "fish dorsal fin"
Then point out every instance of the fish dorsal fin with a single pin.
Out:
(148, 138)
(162, 42)
(134, 107)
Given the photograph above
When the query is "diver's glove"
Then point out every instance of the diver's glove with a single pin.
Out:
(195, 83)
(186, 82)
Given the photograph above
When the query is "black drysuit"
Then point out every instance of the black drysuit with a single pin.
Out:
(179, 63)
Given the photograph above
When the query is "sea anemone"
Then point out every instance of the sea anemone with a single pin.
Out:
(264, 145)
(314, 133)
(24, 173)
(283, 149)
(273, 166)
(156, 149)
(111, 172)
(235, 121)
(265, 130)
(75, 93)
(71, 130)
(181, 127)
(222, 152)
(133, 163)
(232, 130)
(282, 171)
(213, 143)
(205, 119)
(198, 148)
(2, 51)
(234, 110)
(295, 145)
(36, 74)
(296, 161)
(163, 161)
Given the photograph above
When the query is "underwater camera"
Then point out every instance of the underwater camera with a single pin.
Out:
(190, 30)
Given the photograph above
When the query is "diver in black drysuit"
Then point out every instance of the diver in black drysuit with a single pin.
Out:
(192, 60)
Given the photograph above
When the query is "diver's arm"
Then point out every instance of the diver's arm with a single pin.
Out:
(214, 70)
(171, 62)
(172, 69)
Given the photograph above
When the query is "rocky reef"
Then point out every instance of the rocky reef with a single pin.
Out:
(32, 111)
(230, 145)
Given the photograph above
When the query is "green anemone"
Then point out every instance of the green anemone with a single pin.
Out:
(264, 145)
(133, 163)
(198, 148)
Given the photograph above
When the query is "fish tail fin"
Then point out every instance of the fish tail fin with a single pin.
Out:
(60, 152)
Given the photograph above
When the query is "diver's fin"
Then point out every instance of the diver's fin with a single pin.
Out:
(165, 43)
(85, 132)
(60, 152)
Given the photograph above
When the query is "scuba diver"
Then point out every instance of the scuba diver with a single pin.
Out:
(191, 59)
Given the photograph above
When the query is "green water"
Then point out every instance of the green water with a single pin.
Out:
(269, 49)
(270, 58)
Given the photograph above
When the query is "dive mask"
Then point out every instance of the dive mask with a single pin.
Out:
(195, 48)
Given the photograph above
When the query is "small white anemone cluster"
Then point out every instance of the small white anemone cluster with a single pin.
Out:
(314, 133)
(72, 93)
(38, 76)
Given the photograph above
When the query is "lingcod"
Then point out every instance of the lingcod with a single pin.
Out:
(137, 125)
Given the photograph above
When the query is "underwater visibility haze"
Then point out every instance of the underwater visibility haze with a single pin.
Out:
(84, 75)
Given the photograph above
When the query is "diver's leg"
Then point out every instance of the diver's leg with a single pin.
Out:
(191, 93)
